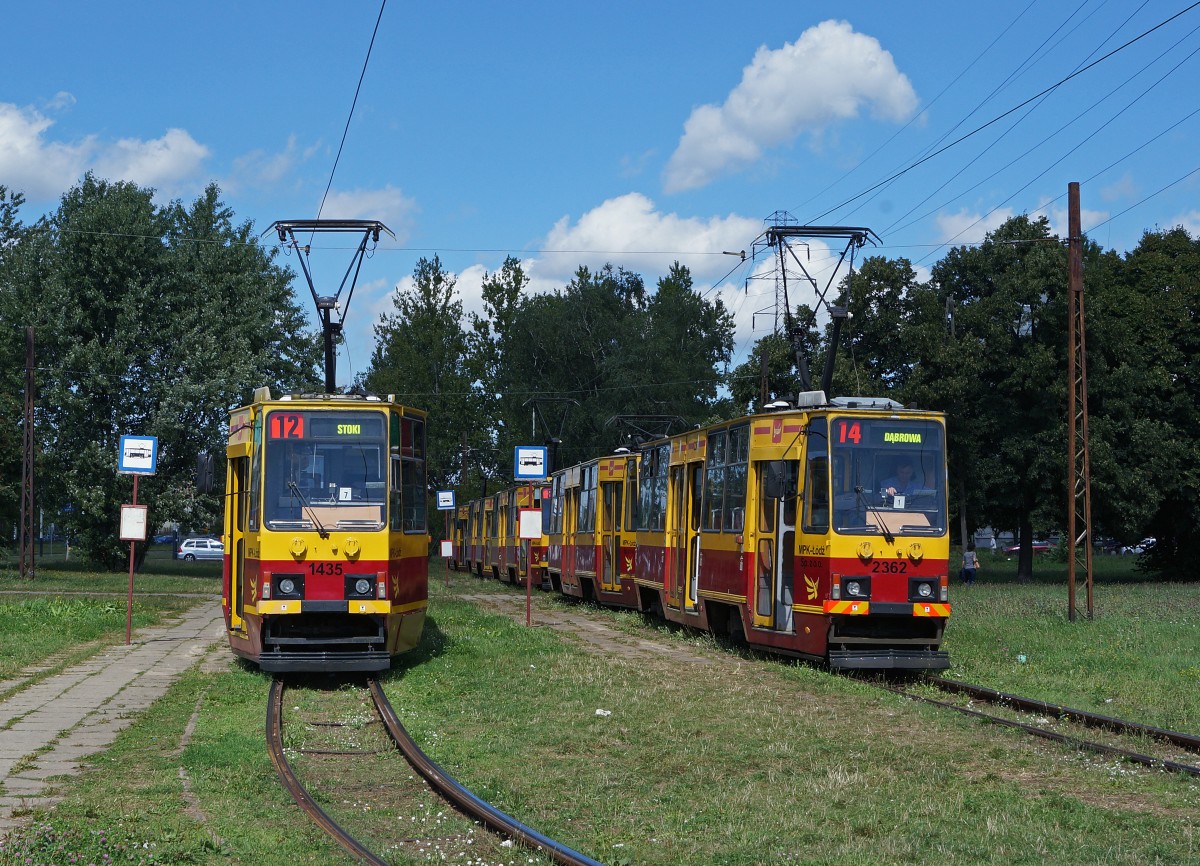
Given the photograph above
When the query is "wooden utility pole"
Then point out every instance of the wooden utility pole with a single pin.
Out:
(27, 567)
(1079, 487)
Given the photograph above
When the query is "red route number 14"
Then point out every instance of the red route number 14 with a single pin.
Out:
(849, 431)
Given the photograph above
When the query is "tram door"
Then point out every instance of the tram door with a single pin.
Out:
(684, 495)
(235, 520)
(775, 551)
(610, 537)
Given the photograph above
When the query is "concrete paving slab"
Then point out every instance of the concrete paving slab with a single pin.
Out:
(50, 728)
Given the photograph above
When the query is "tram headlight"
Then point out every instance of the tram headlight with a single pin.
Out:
(922, 589)
(360, 585)
(287, 586)
(856, 588)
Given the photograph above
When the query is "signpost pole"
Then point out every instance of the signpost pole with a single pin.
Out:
(129, 603)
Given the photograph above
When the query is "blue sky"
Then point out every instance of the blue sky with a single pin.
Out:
(626, 132)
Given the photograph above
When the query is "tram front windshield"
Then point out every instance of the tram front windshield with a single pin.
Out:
(325, 470)
(888, 476)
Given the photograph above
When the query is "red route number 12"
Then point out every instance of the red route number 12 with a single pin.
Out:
(849, 431)
(286, 425)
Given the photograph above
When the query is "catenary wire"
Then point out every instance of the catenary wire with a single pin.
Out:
(353, 104)
(1004, 114)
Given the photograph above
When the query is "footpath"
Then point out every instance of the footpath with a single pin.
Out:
(49, 728)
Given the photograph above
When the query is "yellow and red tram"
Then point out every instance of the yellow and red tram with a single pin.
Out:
(589, 530)
(326, 543)
(790, 529)
(818, 530)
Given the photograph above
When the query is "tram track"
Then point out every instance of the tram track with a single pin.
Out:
(474, 808)
(1068, 715)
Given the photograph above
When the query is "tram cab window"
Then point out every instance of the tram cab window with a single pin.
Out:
(887, 475)
(324, 470)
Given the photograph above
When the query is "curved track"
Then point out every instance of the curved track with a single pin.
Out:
(441, 782)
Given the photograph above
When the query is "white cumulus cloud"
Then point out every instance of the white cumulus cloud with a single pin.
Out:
(630, 232)
(389, 205)
(160, 163)
(830, 73)
(968, 227)
(29, 163)
(33, 163)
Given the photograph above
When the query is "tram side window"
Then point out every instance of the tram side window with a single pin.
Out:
(737, 458)
(255, 472)
(631, 494)
(714, 482)
(652, 489)
(725, 480)
(408, 477)
(587, 500)
(816, 487)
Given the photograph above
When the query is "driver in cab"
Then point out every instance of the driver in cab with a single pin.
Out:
(903, 483)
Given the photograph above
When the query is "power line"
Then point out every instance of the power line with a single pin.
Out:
(1005, 114)
(354, 103)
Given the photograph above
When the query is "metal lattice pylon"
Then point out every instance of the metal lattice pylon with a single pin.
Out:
(1079, 493)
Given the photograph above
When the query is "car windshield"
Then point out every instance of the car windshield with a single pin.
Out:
(325, 469)
(888, 476)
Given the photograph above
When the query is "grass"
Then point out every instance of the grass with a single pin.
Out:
(731, 760)
(64, 616)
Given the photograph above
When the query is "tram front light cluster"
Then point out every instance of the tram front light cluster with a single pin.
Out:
(923, 589)
(362, 586)
(284, 586)
(851, 588)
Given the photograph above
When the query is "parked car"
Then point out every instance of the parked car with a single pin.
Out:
(165, 539)
(1141, 547)
(200, 548)
(1038, 547)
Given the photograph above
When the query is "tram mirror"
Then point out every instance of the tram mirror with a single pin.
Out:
(774, 482)
(204, 472)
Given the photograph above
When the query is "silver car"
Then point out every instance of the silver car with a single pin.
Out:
(191, 549)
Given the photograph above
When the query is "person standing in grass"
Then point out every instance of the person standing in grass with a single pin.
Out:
(970, 564)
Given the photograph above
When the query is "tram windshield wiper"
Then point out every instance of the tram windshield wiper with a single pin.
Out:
(871, 509)
(295, 488)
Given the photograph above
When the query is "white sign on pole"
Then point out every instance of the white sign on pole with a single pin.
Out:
(138, 455)
(531, 523)
(447, 549)
(133, 522)
(445, 500)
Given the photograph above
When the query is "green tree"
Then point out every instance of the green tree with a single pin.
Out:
(159, 320)
(14, 318)
(422, 357)
(1144, 390)
(1000, 374)
(496, 346)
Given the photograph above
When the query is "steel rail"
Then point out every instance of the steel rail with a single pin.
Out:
(1065, 739)
(463, 799)
(296, 789)
(1190, 742)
